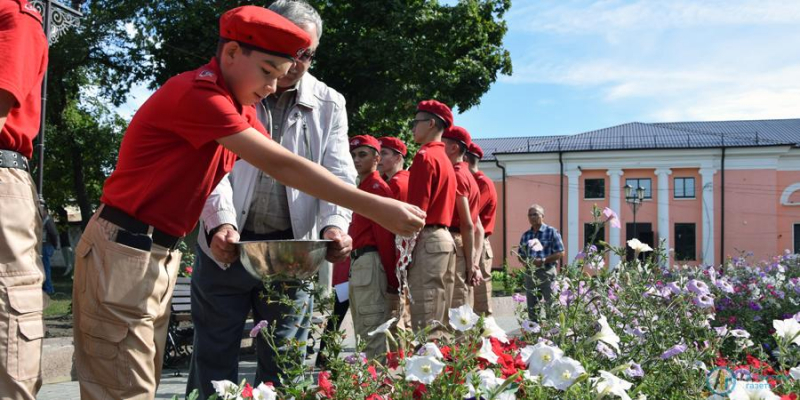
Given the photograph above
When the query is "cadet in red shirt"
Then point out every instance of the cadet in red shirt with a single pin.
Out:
(23, 62)
(487, 212)
(372, 270)
(432, 187)
(393, 156)
(179, 145)
(466, 227)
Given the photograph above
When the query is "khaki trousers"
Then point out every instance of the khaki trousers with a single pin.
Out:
(368, 303)
(21, 297)
(396, 304)
(430, 280)
(462, 290)
(483, 292)
(121, 307)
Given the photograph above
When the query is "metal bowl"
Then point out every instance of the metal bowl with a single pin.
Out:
(283, 259)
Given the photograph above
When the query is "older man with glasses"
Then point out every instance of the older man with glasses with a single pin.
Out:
(542, 247)
(308, 118)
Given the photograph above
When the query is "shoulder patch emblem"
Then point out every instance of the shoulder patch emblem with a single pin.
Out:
(422, 151)
(29, 9)
(206, 75)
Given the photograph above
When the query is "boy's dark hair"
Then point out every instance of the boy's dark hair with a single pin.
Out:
(246, 49)
(462, 149)
(472, 159)
(436, 120)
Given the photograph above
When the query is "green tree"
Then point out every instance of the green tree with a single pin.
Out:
(383, 55)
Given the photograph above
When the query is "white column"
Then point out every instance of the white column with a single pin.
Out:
(573, 244)
(663, 210)
(708, 214)
(615, 203)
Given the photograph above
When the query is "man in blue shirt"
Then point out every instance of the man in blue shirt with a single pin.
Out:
(542, 247)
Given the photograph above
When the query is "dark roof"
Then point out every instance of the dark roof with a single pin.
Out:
(667, 135)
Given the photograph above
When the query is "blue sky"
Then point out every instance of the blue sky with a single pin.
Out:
(585, 65)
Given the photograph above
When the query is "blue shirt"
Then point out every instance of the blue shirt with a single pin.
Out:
(548, 237)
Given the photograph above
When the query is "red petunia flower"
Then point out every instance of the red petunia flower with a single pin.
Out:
(325, 384)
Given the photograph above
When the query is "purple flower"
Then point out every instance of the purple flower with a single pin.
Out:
(634, 371)
(673, 351)
(704, 301)
(674, 288)
(581, 255)
(531, 327)
(797, 317)
(518, 298)
(754, 306)
(612, 217)
(606, 351)
(724, 286)
(257, 328)
(697, 287)
(592, 249)
(353, 359)
(721, 330)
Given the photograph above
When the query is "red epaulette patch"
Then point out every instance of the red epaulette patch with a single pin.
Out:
(206, 75)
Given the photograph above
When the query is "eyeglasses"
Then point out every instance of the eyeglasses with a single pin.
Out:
(307, 56)
(416, 121)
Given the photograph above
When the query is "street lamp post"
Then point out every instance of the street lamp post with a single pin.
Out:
(635, 200)
(57, 19)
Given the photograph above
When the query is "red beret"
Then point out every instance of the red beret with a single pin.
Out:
(476, 150)
(265, 30)
(438, 109)
(395, 144)
(458, 133)
(364, 140)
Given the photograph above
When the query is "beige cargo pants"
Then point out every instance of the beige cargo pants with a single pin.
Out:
(121, 307)
(368, 302)
(396, 304)
(483, 292)
(21, 297)
(430, 280)
(462, 290)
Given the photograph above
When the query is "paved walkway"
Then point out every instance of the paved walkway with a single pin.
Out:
(173, 381)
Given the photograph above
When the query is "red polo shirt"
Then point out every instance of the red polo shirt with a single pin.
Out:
(467, 187)
(23, 49)
(169, 161)
(365, 232)
(432, 184)
(488, 205)
(399, 185)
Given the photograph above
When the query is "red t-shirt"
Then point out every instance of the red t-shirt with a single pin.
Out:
(399, 185)
(365, 232)
(432, 184)
(467, 187)
(23, 62)
(341, 272)
(169, 161)
(488, 205)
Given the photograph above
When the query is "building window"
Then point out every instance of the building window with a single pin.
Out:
(796, 238)
(643, 182)
(589, 234)
(684, 188)
(685, 249)
(594, 189)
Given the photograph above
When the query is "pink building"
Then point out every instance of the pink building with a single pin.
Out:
(712, 189)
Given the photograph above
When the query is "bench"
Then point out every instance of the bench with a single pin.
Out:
(180, 333)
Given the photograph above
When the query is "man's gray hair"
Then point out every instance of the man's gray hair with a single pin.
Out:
(538, 208)
(299, 12)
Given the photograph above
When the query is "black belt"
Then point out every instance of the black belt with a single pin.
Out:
(435, 226)
(454, 230)
(139, 228)
(12, 159)
(355, 254)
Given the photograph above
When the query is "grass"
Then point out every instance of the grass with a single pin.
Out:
(61, 300)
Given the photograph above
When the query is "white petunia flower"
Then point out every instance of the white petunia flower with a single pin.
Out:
(487, 382)
(225, 389)
(541, 356)
(795, 372)
(739, 333)
(423, 369)
(606, 334)
(383, 328)
(607, 384)
(491, 329)
(486, 351)
(562, 373)
(525, 353)
(749, 390)
(462, 318)
(638, 246)
(788, 329)
(264, 392)
(430, 349)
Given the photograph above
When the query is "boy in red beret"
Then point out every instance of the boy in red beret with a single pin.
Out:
(23, 62)
(178, 146)
(487, 209)
(372, 268)
(393, 156)
(466, 226)
(432, 187)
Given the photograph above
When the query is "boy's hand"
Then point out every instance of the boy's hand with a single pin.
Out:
(400, 218)
(476, 277)
(222, 244)
(340, 247)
